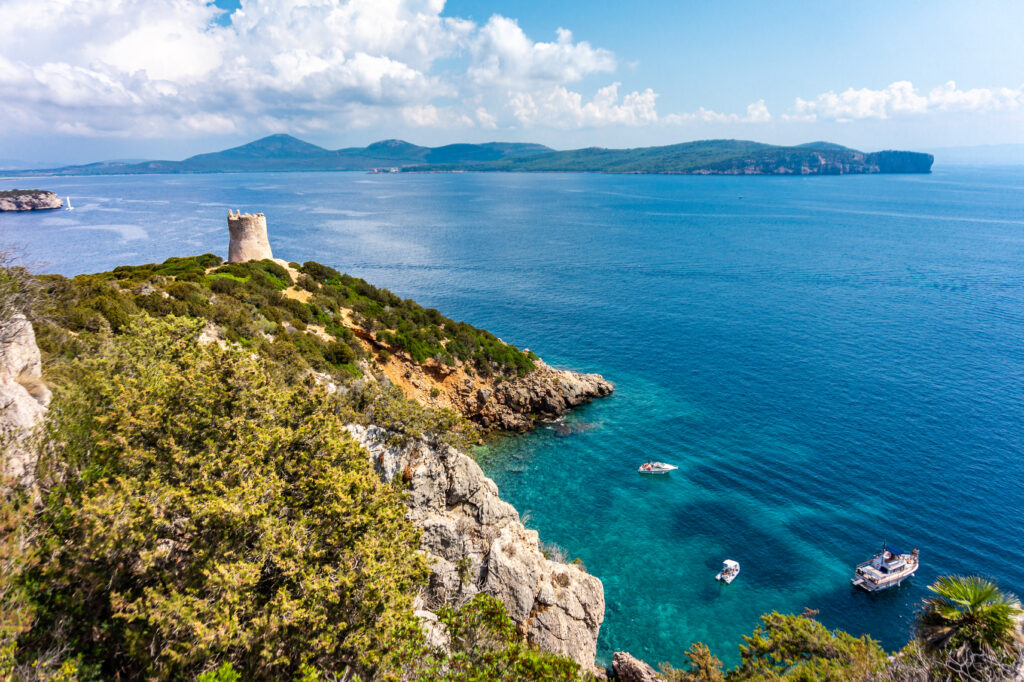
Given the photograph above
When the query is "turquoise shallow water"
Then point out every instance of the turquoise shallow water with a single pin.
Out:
(830, 362)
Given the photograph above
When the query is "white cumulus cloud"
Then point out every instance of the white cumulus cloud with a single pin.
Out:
(169, 67)
(559, 107)
(176, 68)
(902, 99)
(502, 54)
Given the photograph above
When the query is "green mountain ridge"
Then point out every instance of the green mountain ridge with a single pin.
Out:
(721, 157)
(712, 157)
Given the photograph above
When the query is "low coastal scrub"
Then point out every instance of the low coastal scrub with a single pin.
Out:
(200, 517)
(253, 304)
(423, 333)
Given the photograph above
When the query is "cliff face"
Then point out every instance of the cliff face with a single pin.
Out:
(28, 200)
(477, 543)
(901, 162)
(823, 162)
(23, 397)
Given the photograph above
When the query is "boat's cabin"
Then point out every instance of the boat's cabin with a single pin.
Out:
(890, 560)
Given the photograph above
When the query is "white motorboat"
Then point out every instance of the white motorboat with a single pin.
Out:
(730, 569)
(69, 207)
(656, 468)
(888, 568)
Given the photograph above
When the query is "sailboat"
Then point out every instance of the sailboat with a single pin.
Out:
(69, 207)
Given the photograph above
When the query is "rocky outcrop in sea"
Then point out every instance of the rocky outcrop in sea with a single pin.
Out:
(24, 398)
(28, 200)
(476, 542)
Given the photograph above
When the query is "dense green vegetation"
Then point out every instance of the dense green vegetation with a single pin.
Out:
(286, 153)
(201, 516)
(709, 156)
(404, 324)
(245, 302)
(198, 510)
(11, 193)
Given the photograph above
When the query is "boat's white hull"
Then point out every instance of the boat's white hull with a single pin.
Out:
(727, 578)
(872, 586)
(656, 468)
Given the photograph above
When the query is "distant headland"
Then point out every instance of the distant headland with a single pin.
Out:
(704, 157)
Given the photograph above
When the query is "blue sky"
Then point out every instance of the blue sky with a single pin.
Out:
(167, 78)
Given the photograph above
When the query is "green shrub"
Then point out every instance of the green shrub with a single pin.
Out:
(485, 645)
(321, 273)
(200, 511)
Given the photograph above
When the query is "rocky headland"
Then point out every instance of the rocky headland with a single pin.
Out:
(476, 542)
(29, 200)
(494, 403)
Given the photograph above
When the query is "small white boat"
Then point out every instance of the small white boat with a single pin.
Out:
(888, 568)
(730, 569)
(69, 207)
(656, 468)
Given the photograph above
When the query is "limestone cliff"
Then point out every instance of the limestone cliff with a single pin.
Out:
(477, 543)
(28, 200)
(23, 397)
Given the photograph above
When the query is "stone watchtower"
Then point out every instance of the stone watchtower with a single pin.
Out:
(248, 237)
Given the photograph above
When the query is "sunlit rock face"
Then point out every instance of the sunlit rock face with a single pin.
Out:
(477, 543)
(23, 398)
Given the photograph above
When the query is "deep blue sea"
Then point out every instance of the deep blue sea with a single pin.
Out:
(830, 361)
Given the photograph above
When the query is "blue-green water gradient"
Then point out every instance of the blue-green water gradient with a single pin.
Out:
(830, 361)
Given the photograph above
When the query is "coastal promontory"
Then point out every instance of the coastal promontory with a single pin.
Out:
(699, 157)
(387, 392)
(28, 200)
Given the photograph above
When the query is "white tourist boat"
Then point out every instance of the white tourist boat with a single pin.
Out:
(730, 569)
(888, 568)
(656, 468)
(69, 207)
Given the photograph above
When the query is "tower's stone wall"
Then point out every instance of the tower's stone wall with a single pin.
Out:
(248, 237)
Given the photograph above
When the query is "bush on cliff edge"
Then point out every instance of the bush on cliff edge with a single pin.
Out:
(197, 512)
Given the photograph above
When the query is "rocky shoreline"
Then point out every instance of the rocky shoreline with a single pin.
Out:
(494, 403)
(29, 200)
(476, 542)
